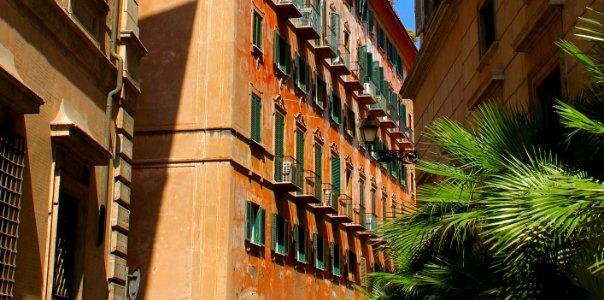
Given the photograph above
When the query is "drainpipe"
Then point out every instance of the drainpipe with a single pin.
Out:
(105, 180)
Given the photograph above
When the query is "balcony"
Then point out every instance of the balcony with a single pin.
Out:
(340, 65)
(378, 109)
(288, 9)
(288, 174)
(371, 225)
(311, 192)
(308, 26)
(328, 203)
(386, 122)
(368, 94)
(325, 47)
(344, 210)
(359, 218)
(406, 143)
(354, 81)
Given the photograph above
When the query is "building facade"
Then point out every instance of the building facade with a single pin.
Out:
(250, 178)
(68, 90)
(476, 50)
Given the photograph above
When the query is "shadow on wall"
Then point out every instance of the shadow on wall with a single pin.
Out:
(167, 36)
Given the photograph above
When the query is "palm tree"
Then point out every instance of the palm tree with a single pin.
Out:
(517, 211)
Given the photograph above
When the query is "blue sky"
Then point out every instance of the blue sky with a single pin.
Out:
(405, 10)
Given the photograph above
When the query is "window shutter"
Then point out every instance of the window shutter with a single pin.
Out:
(318, 161)
(363, 271)
(306, 244)
(371, 22)
(288, 59)
(335, 27)
(330, 263)
(274, 230)
(300, 147)
(315, 249)
(297, 75)
(376, 76)
(248, 220)
(286, 237)
(279, 136)
(324, 252)
(262, 226)
(402, 117)
(369, 67)
(308, 78)
(276, 49)
(382, 81)
(405, 175)
(335, 173)
(296, 241)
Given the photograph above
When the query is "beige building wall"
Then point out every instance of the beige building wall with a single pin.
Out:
(55, 77)
(450, 76)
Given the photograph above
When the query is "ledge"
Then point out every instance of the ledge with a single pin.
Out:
(486, 87)
(73, 139)
(15, 95)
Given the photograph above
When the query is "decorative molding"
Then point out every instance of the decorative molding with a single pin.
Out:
(334, 148)
(373, 182)
(280, 104)
(486, 88)
(318, 136)
(300, 121)
(348, 160)
(538, 25)
(361, 170)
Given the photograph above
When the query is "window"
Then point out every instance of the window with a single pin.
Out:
(487, 26)
(335, 174)
(279, 146)
(362, 8)
(335, 109)
(11, 176)
(381, 38)
(351, 266)
(300, 155)
(257, 31)
(90, 15)
(300, 244)
(319, 245)
(371, 22)
(321, 92)
(362, 192)
(348, 178)
(256, 119)
(65, 247)
(402, 117)
(254, 223)
(302, 75)
(280, 235)
(319, 164)
(403, 174)
(335, 255)
(550, 88)
(350, 122)
(373, 202)
(282, 54)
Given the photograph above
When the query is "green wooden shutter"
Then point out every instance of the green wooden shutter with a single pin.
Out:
(335, 173)
(256, 117)
(248, 220)
(402, 117)
(262, 226)
(376, 75)
(315, 250)
(296, 241)
(373, 202)
(369, 67)
(324, 252)
(288, 58)
(335, 28)
(362, 192)
(371, 22)
(405, 175)
(318, 161)
(285, 237)
(279, 144)
(274, 230)
(365, 8)
(276, 52)
(297, 70)
(300, 147)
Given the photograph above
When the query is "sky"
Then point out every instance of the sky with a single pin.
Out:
(405, 10)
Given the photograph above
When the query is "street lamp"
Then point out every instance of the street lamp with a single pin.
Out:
(369, 129)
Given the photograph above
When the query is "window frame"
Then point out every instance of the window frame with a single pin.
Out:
(320, 245)
(335, 253)
(486, 41)
(279, 240)
(255, 219)
(300, 236)
(256, 118)
(257, 39)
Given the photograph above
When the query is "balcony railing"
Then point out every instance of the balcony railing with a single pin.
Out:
(325, 46)
(340, 65)
(371, 222)
(289, 8)
(378, 109)
(328, 203)
(288, 174)
(308, 26)
(344, 210)
(354, 81)
(311, 192)
(368, 94)
(359, 218)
